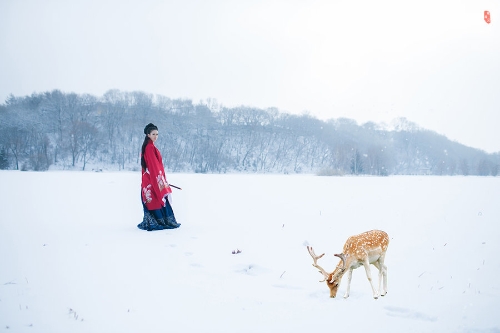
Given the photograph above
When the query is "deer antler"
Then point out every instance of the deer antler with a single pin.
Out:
(341, 271)
(315, 264)
(341, 256)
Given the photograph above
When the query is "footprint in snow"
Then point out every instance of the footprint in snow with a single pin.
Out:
(394, 311)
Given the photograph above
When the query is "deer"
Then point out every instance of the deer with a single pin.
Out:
(359, 250)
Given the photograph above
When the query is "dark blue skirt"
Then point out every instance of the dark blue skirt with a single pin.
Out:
(158, 219)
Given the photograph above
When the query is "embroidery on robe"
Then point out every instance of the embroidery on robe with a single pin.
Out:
(146, 193)
(162, 182)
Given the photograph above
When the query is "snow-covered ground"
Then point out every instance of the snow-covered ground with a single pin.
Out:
(72, 259)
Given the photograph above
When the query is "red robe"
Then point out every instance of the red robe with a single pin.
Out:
(154, 186)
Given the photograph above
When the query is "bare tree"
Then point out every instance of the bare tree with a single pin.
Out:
(83, 142)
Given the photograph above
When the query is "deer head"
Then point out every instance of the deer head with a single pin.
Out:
(332, 279)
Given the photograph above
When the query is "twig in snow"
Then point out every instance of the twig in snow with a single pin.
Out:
(282, 274)
(75, 315)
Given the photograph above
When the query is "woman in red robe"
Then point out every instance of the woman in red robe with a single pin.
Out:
(158, 213)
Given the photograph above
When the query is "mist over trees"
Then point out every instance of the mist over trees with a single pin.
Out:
(70, 131)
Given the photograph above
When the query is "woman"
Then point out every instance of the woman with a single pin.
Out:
(158, 213)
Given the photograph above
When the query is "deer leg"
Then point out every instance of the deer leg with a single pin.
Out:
(382, 274)
(376, 264)
(366, 263)
(349, 277)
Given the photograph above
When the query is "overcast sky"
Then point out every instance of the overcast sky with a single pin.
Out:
(435, 62)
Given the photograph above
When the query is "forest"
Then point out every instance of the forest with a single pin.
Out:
(69, 131)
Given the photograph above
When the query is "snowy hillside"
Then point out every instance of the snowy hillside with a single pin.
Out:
(72, 259)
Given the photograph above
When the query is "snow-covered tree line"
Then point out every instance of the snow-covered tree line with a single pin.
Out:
(72, 131)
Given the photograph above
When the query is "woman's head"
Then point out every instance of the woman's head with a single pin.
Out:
(151, 132)
(150, 127)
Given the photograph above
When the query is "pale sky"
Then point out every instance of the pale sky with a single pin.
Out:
(435, 62)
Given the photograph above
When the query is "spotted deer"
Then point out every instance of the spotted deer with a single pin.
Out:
(363, 249)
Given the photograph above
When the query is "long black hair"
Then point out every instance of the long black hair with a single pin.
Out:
(147, 130)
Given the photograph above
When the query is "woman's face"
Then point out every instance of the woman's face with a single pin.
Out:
(153, 135)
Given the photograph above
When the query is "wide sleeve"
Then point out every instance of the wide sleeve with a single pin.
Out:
(156, 172)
